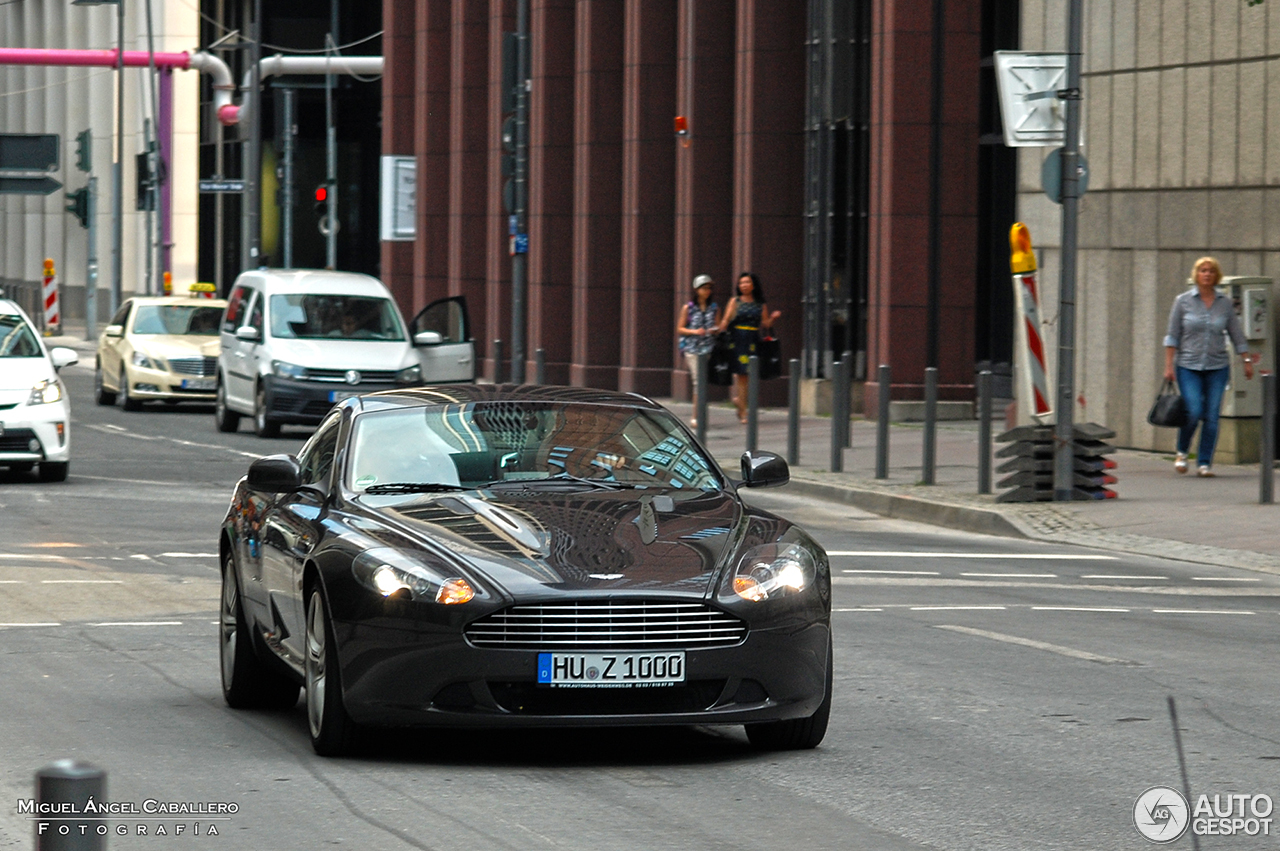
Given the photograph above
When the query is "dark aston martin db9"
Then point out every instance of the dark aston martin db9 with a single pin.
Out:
(520, 556)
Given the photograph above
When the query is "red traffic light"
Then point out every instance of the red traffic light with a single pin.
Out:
(322, 194)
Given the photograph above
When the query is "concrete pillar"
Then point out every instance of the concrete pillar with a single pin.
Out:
(431, 147)
(468, 155)
(398, 18)
(648, 209)
(497, 306)
(597, 186)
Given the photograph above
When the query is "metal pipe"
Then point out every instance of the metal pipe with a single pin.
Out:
(700, 409)
(1063, 458)
(288, 192)
(1266, 464)
(984, 431)
(274, 66)
(497, 361)
(882, 423)
(117, 172)
(91, 266)
(846, 383)
(930, 461)
(519, 192)
(793, 414)
(837, 416)
(753, 402)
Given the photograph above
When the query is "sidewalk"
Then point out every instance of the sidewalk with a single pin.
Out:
(1158, 512)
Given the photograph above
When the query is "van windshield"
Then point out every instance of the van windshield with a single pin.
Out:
(334, 317)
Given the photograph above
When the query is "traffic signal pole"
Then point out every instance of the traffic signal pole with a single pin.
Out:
(91, 265)
(519, 258)
(1063, 454)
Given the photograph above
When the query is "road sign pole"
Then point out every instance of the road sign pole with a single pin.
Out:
(91, 265)
(1063, 474)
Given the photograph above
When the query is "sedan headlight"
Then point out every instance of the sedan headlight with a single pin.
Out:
(773, 570)
(410, 375)
(141, 359)
(45, 393)
(283, 369)
(391, 573)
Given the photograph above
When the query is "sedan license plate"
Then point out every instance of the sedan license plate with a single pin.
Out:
(339, 395)
(610, 670)
(199, 384)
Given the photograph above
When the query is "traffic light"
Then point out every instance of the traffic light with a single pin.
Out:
(84, 151)
(78, 205)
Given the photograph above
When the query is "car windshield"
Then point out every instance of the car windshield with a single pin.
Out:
(340, 317)
(196, 320)
(535, 444)
(16, 338)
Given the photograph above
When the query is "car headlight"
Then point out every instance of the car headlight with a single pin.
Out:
(45, 393)
(288, 370)
(141, 359)
(411, 375)
(773, 570)
(391, 573)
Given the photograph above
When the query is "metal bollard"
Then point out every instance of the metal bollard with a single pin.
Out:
(539, 366)
(839, 417)
(700, 390)
(793, 414)
(846, 427)
(984, 431)
(882, 423)
(71, 784)
(497, 361)
(1266, 492)
(753, 402)
(929, 463)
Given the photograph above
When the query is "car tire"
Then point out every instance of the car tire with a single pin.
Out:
(224, 418)
(101, 394)
(246, 682)
(332, 730)
(797, 733)
(263, 425)
(127, 402)
(54, 471)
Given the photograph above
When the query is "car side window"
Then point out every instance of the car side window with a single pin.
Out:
(255, 314)
(316, 459)
(236, 305)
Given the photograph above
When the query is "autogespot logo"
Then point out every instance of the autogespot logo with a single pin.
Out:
(1161, 814)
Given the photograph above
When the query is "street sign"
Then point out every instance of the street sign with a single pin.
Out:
(398, 198)
(28, 185)
(29, 151)
(222, 185)
(1032, 92)
(1051, 176)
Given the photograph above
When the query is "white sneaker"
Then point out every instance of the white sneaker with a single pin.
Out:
(1204, 472)
(1180, 463)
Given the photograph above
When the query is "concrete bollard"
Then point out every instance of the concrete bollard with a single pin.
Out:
(839, 415)
(539, 366)
(929, 463)
(62, 790)
(753, 402)
(700, 409)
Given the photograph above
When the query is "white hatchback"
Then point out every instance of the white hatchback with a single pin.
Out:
(35, 414)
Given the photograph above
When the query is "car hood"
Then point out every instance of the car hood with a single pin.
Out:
(531, 541)
(171, 346)
(344, 354)
(23, 373)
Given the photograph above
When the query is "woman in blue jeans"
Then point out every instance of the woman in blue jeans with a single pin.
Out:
(1194, 344)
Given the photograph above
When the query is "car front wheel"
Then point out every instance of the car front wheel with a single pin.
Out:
(101, 394)
(332, 730)
(126, 401)
(246, 681)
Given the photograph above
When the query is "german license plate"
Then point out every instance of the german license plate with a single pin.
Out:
(610, 670)
(339, 395)
(199, 384)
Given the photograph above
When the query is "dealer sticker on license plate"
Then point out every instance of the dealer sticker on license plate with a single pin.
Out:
(610, 670)
(199, 384)
(339, 395)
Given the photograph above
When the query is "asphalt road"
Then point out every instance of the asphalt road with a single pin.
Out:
(990, 693)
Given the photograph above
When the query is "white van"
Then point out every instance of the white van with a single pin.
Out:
(295, 341)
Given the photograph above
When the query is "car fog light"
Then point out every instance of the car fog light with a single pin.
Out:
(33, 445)
(453, 591)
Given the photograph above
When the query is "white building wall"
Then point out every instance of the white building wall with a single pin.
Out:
(68, 100)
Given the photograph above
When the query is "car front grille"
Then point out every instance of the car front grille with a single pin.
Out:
(608, 625)
(339, 376)
(202, 367)
(17, 440)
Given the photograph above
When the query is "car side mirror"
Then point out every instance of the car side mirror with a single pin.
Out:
(62, 356)
(764, 470)
(275, 474)
(113, 331)
(428, 338)
(249, 334)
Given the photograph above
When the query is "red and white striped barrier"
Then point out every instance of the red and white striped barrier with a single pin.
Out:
(1030, 334)
(52, 314)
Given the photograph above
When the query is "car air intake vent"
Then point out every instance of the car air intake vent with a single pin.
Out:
(608, 625)
(367, 376)
(194, 366)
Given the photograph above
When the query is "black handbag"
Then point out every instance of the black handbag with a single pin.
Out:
(721, 362)
(770, 353)
(1168, 410)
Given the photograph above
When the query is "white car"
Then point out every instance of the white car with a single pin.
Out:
(35, 414)
(296, 341)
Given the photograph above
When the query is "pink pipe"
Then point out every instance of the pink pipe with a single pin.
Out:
(101, 58)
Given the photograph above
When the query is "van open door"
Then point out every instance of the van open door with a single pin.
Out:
(441, 336)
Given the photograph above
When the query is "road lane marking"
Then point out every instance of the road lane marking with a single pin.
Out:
(1222, 579)
(897, 572)
(30, 624)
(1109, 576)
(1201, 612)
(1038, 645)
(956, 608)
(35, 557)
(188, 555)
(1075, 609)
(81, 581)
(138, 623)
(1013, 575)
(117, 430)
(863, 609)
(908, 554)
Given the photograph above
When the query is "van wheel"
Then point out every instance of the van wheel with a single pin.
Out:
(263, 426)
(223, 417)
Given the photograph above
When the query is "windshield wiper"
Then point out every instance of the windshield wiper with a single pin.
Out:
(609, 484)
(412, 487)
